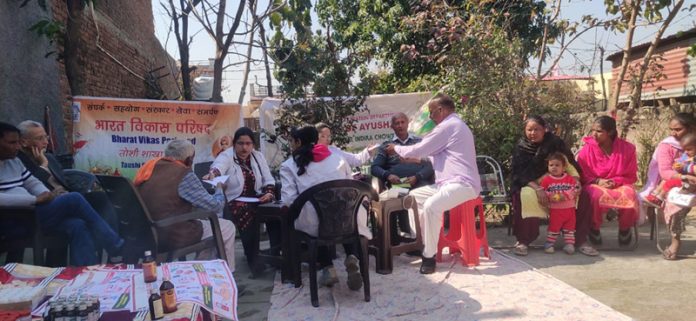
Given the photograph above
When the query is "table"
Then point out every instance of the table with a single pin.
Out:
(190, 276)
(278, 212)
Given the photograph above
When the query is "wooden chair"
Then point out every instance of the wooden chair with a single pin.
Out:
(36, 240)
(138, 227)
(336, 203)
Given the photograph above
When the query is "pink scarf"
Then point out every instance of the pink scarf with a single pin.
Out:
(620, 166)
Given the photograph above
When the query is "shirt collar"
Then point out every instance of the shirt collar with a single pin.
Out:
(396, 138)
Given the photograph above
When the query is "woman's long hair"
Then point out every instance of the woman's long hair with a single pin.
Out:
(303, 155)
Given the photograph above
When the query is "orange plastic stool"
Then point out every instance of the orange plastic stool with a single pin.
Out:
(462, 236)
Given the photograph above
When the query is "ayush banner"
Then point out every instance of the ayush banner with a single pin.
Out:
(116, 136)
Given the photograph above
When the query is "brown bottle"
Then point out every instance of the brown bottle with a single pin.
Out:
(168, 296)
(155, 303)
(149, 268)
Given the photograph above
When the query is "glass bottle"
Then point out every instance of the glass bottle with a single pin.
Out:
(168, 296)
(149, 268)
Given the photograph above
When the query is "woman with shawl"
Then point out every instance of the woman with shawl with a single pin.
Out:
(660, 169)
(609, 170)
(528, 165)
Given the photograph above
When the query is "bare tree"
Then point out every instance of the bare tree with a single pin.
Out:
(179, 16)
(213, 18)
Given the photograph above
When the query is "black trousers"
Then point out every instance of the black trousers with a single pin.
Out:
(251, 238)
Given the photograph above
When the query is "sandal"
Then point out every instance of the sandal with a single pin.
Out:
(520, 249)
(588, 250)
(668, 255)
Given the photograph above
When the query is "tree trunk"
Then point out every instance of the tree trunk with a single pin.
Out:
(601, 77)
(269, 79)
(635, 7)
(181, 34)
(247, 66)
(637, 92)
(217, 77)
(73, 70)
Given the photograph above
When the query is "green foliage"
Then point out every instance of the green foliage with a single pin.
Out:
(316, 71)
(691, 51)
(53, 30)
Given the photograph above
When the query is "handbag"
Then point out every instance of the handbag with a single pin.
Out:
(681, 197)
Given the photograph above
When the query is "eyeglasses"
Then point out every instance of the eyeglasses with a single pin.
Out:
(42, 137)
(244, 143)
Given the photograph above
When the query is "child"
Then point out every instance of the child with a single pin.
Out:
(684, 165)
(562, 191)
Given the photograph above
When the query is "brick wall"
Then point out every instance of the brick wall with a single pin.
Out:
(129, 50)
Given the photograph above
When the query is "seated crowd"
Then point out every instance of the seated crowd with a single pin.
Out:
(440, 169)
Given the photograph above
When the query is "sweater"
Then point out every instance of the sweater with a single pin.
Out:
(17, 186)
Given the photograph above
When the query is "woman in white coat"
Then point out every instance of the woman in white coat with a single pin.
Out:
(250, 183)
(353, 160)
(309, 165)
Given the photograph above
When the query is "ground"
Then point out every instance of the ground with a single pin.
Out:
(637, 283)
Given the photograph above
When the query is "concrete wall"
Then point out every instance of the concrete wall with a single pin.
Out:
(28, 80)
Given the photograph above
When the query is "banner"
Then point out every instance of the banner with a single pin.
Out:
(373, 125)
(116, 136)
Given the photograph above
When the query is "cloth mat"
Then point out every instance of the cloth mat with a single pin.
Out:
(503, 288)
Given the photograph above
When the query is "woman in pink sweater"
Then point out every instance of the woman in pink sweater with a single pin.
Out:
(660, 169)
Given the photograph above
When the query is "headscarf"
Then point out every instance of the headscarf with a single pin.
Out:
(529, 159)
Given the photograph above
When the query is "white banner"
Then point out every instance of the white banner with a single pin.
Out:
(373, 125)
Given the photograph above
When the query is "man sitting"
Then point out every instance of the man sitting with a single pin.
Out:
(450, 146)
(391, 170)
(169, 188)
(67, 214)
(45, 167)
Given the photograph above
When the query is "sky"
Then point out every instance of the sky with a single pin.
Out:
(581, 52)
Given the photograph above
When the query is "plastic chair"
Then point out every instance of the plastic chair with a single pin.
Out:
(79, 181)
(381, 245)
(462, 236)
(138, 226)
(336, 203)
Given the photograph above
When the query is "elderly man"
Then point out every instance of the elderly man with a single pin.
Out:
(45, 167)
(68, 214)
(450, 147)
(391, 169)
(169, 187)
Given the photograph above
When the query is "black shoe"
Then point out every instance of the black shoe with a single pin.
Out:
(595, 237)
(257, 269)
(625, 237)
(428, 265)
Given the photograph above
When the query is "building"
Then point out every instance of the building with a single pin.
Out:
(678, 83)
(115, 54)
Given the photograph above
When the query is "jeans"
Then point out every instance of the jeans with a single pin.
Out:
(71, 215)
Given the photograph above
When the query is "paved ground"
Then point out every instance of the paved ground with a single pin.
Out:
(638, 283)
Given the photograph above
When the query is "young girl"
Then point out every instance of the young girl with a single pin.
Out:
(683, 165)
(562, 190)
